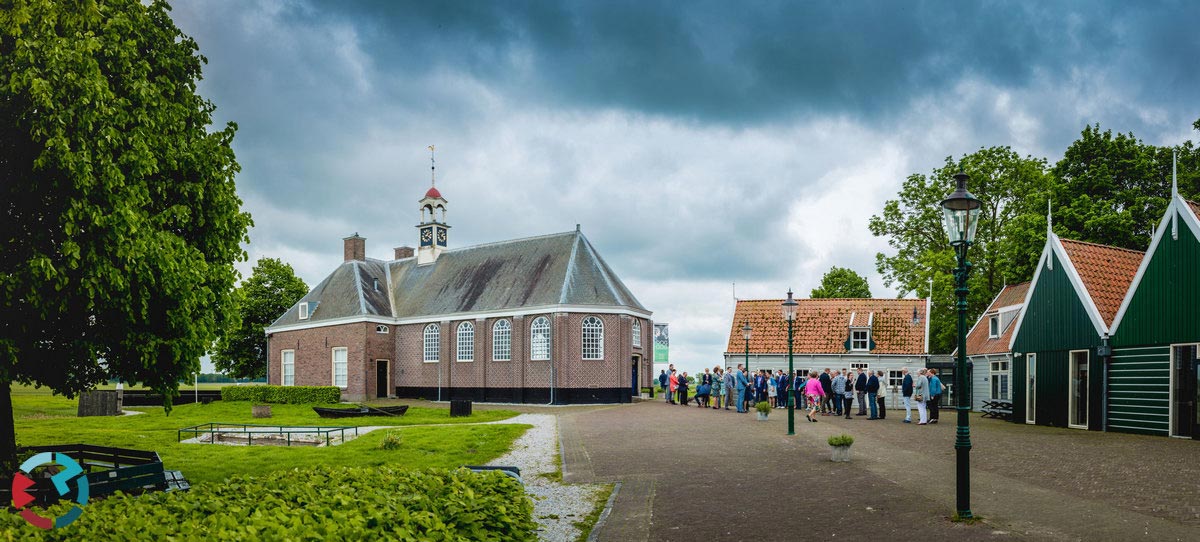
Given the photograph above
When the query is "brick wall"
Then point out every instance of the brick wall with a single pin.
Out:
(314, 355)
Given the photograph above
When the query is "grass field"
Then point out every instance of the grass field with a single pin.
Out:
(42, 418)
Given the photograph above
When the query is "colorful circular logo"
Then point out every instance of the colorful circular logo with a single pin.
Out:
(71, 471)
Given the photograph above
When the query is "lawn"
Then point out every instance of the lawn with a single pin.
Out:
(42, 419)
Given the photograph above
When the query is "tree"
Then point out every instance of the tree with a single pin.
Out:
(924, 262)
(841, 282)
(273, 287)
(120, 221)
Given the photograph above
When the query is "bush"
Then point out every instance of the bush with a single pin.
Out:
(344, 503)
(763, 407)
(390, 441)
(288, 395)
(841, 440)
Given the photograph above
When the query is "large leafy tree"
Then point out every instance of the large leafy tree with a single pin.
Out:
(119, 219)
(841, 282)
(272, 288)
(924, 261)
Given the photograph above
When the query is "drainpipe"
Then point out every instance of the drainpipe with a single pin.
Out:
(1105, 353)
(551, 379)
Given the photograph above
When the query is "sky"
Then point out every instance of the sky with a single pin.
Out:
(698, 145)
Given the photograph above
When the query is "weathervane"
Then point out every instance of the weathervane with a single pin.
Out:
(432, 168)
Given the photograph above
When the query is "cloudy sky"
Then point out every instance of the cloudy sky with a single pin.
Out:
(698, 144)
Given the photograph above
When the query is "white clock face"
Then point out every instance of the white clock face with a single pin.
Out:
(427, 236)
(441, 237)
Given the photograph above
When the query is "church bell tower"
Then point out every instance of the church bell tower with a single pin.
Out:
(433, 229)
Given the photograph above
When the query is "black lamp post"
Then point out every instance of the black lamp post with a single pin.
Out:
(746, 335)
(961, 212)
(789, 314)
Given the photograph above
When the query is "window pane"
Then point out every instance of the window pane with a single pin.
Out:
(539, 334)
(502, 341)
(466, 342)
(289, 368)
(432, 343)
(593, 338)
(339, 367)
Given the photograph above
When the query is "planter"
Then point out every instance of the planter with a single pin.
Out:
(762, 416)
(261, 411)
(840, 454)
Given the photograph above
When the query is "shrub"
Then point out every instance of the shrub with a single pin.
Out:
(390, 441)
(290, 395)
(840, 440)
(344, 503)
(763, 407)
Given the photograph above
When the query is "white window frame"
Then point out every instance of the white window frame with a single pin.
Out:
(994, 326)
(431, 342)
(333, 352)
(381, 329)
(997, 370)
(1031, 398)
(464, 342)
(538, 345)
(895, 379)
(303, 310)
(502, 340)
(637, 333)
(284, 365)
(592, 335)
(866, 340)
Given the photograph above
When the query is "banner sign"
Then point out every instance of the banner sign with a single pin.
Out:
(662, 342)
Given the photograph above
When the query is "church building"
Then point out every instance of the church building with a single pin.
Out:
(536, 320)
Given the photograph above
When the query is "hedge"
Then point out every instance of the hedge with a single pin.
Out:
(314, 503)
(292, 395)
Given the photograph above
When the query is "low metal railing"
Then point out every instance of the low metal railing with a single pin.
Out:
(249, 430)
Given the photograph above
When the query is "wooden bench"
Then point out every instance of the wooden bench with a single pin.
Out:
(1002, 410)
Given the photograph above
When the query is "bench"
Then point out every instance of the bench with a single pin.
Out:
(1001, 410)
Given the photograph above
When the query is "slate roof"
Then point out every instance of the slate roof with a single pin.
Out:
(556, 269)
(823, 325)
(978, 341)
(1106, 272)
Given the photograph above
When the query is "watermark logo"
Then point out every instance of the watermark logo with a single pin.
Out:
(71, 471)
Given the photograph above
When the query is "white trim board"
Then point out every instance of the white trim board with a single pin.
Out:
(1178, 205)
(1054, 246)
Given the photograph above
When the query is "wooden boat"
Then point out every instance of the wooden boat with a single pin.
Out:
(360, 411)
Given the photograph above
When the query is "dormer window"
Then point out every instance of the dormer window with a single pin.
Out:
(304, 310)
(860, 339)
(994, 327)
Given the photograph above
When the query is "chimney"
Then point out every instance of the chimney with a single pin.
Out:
(403, 252)
(355, 248)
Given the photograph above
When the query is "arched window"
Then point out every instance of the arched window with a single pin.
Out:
(539, 339)
(381, 328)
(637, 333)
(433, 343)
(501, 341)
(593, 338)
(466, 342)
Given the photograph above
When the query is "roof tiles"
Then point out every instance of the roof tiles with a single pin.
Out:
(979, 340)
(823, 325)
(1106, 272)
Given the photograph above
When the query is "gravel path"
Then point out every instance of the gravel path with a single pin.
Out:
(556, 506)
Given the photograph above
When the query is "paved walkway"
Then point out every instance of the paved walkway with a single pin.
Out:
(693, 474)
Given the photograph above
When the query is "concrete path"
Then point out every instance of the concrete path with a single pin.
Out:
(694, 474)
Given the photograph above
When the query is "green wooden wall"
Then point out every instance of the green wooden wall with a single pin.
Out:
(1165, 308)
(1139, 390)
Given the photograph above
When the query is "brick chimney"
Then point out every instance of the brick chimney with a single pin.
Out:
(404, 252)
(355, 248)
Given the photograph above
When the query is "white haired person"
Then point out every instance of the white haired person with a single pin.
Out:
(921, 395)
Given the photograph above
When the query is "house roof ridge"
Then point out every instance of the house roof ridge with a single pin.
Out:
(1098, 245)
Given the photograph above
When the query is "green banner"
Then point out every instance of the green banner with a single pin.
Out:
(662, 343)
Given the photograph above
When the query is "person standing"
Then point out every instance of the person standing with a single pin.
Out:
(730, 386)
(718, 388)
(760, 386)
(772, 391)
(906, 392)
(872, 388)
(673, 382)
(826, 381)
(741, 384)
(683, 389)
(814, 391)
(920, 395)
(838, 384)
(935, 395)
(663, 382)
(785, 383)
(882, 397)
(848, 400)
(860, 388)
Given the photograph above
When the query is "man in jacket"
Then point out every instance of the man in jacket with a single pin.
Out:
(860, 389)
(882, 395)
(742, 384)
(921, 395)
(906, 393)
(683, 389)
(827, 387)
(872, 389)
(935, 395)
(838, 386)
(784, 383)
(663, 380)
(730, 384)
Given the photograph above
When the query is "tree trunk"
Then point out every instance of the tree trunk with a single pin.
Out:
(8, 430)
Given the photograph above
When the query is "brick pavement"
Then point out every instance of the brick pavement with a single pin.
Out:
(688, 474)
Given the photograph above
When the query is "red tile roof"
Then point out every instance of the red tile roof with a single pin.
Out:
(1106, 273)
(1195, 207)
(978, 341)
(823, 325)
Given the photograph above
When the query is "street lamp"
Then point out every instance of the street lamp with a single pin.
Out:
(746, 335)
(789, 314)
(961, 212)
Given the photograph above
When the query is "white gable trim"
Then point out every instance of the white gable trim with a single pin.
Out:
(1178, 206)
(979, 320)
(1029, 292)
(1089, 304)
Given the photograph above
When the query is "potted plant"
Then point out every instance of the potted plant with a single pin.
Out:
(840, 446)
(763, 408)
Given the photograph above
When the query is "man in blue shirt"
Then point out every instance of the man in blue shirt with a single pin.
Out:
(872, 387)
(662, 384)
(935, 395)
(906, 391)
(742, 383)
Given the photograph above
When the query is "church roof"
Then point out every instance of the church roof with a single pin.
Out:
(556, 269)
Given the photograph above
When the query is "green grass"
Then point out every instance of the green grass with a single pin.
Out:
(43, 419)
(588, 523)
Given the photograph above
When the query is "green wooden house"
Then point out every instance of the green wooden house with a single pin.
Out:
(1153, 386)
(1057, 371)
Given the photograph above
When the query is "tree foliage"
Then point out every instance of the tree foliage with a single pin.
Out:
(120, 221)
(841, 282)
(272, 288)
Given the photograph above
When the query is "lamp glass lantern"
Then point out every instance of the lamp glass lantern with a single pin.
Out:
(746, 329)
(960, 210)
(789, 308)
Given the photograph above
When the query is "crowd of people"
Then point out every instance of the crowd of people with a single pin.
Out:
(829, 393)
